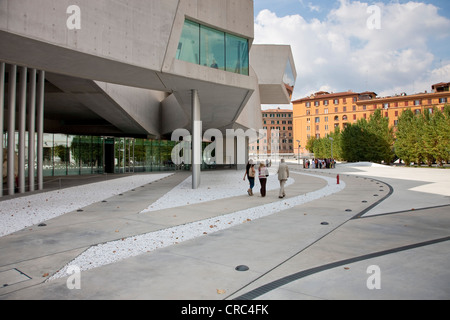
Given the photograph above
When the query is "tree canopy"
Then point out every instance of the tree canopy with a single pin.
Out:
(422, 137)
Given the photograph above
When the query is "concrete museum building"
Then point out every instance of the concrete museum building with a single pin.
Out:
(92, 87)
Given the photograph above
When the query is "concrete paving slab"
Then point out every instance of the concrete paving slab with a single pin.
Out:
(422, 278)
(359, 238)
(275, 247)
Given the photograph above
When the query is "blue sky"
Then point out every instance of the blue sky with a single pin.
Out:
(319, 8)
(336, 50)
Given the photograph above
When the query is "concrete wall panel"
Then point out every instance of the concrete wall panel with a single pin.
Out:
(134, 31)
(251, 116)
(269, 63)
(143, 106)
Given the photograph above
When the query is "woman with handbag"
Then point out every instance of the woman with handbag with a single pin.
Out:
(263, 173)
(250, 173)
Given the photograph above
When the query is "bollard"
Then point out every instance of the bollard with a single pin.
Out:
(337, 179)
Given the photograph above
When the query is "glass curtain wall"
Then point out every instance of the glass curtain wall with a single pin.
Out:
(66, 155)
(72, 155)
(189, 45)
(237, 54)
(82, 155)
(213, 48)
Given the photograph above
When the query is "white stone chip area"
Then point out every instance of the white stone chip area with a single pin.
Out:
(217, 185)
(23, 212)
(115, 251)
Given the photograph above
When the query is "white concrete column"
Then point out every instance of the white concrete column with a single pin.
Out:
(2, 112)
(11, 127)
(196, 140)
(22, 124)
(31, 129)
(40, 129)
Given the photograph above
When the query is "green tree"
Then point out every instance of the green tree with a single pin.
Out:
(321, 147)
(337, 150)
(424, 137)
(436, 136)
(356, 142)
(310, 144)
(382, 147)
(428, 138)
(368, 140)
(407, 137)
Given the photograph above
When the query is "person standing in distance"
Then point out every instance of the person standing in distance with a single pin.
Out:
(250, 173)
(263, 173)
(283, 175)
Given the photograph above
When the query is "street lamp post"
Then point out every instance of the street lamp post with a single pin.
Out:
(298, 152)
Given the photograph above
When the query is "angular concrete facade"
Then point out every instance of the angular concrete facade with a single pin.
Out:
(116, 72)
(276, 72)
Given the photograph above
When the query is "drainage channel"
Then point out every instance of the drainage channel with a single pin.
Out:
(11, 277)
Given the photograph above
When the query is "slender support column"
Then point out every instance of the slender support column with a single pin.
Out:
(2, 108)
(196, 140)
(40, 129)
(124, 155)
(31, 129)
(11, 128)
(22, 124)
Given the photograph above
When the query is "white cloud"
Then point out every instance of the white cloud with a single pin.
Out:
(313, 7)
(342, 53)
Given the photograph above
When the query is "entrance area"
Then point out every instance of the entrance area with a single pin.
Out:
(81, 155)
(119, 155)
(76, 155)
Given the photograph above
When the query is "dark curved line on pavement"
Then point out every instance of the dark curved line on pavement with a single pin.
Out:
(297, 276)
(363, 212)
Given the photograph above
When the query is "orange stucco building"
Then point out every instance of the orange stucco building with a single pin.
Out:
(279, 134)
(319, 114)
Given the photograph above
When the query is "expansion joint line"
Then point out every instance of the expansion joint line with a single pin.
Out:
(278, 283)
(299, 275)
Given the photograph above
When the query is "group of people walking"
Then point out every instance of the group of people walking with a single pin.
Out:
(328, 163)
(262, 173)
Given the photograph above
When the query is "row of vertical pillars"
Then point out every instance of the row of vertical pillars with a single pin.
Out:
(21, 97)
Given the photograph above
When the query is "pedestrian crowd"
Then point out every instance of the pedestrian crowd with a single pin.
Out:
(261, 172)
(319, 164)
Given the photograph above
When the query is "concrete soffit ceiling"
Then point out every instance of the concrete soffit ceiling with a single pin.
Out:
(77, 70)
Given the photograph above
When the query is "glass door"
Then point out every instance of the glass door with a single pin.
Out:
(124, 155)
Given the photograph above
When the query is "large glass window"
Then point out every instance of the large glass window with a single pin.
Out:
(289, 80)
(61, 155)
(66, 155)
(189, 45)
(213, 48)
(237, 54)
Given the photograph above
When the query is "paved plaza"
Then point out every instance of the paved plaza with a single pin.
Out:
(381, 233)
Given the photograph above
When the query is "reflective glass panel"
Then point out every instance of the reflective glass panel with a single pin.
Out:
(60, 155)
(236, 54)
(212, 48)
(82, 155)
(189, 45)
(288, 79)
(48, 155)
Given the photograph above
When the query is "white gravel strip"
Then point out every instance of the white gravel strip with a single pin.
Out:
(115, 251)
(217, 185)
(23, 212)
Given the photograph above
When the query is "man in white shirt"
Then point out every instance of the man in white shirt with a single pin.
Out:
(283, 175)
